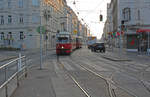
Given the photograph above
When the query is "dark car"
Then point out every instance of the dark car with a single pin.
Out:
(98, 47)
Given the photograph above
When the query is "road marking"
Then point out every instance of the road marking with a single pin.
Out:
(75, 81)
(55, 65)
(67, 66)
(148, 69)
(99, 68)
(137, 64)
(77, 65)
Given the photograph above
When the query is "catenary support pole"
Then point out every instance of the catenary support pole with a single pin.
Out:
(148, 49)
(41, 47)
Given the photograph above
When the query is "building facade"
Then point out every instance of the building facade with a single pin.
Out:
(20, 21)
(126, 18)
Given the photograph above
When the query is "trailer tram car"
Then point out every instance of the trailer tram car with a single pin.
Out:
(79, 42)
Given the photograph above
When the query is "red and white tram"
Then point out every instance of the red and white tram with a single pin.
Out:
(66, 43)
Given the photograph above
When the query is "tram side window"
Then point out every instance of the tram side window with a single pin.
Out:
(63, 40)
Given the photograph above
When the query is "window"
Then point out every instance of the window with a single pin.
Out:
(139, 15)
(126, 14)
(35, 2)
(63, 27)
(2, 19)
(1, 5)
(9, 4)
(35, 18)
(21, 19)
(9, 19)
(20, 3)
(2, 36)
(21, 35)
(9, 35)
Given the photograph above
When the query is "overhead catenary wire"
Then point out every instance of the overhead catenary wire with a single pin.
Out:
(88, 11)
(94, 8)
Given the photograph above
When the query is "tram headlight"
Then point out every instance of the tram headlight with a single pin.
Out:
(62, 47)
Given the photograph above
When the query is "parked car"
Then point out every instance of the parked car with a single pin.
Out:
(98, 47)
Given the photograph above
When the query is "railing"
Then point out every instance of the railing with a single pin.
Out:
(10, 73)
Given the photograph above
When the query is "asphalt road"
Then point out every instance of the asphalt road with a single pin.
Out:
(126, 75)
(97, 76)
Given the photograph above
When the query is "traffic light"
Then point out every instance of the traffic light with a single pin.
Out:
(101, 17)
(122, 22)
(122, 25)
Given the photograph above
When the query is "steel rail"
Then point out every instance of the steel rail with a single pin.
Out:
(110, 82)
(100, 76)
(75, 81)
(132, 94)
(84, 91)
(114, 82)
(80, 86)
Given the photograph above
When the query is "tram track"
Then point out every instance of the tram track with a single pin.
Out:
(112, 91)
(74, 80)
(111, 83)
(140, 80)
(109, 86)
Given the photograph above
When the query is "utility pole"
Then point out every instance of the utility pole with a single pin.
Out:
(47, 19)
(41, 54)
(148, 50)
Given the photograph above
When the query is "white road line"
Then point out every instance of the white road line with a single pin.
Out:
(78, 66)
(55, 65)
(148, 69)
(138, 64)
(99, 68)
(67, 66)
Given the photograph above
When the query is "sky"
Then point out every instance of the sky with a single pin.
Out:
(89, 11)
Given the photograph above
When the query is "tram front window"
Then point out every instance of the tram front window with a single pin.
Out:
(63, 40)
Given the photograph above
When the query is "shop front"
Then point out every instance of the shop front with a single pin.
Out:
(143, 36)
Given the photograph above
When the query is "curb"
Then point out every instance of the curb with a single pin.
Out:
(115, 59)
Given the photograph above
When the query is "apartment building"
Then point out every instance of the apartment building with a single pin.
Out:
(133, 15)
(20, 19)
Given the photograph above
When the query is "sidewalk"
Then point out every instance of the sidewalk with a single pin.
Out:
(51, 81)
(124, 55)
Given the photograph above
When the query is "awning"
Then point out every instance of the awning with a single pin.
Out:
(142, 30)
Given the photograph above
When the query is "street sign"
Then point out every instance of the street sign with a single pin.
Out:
(75, 31)
(39, 28)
